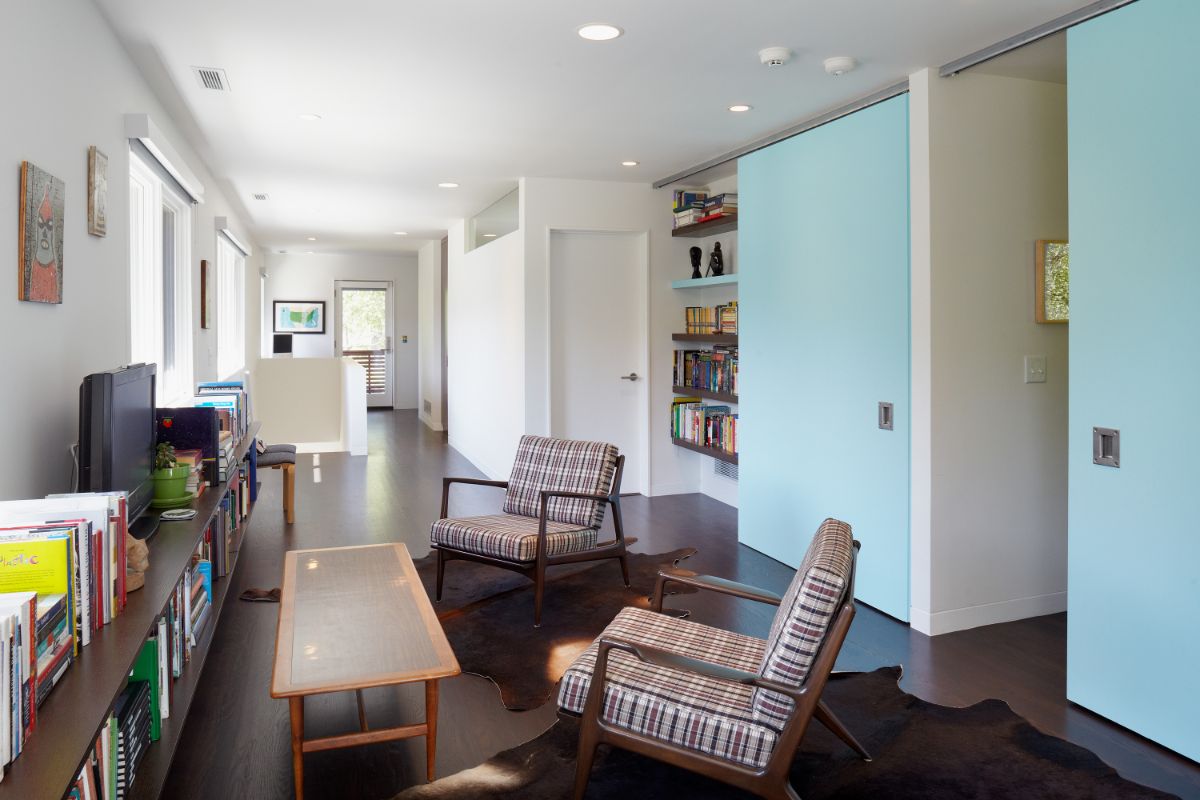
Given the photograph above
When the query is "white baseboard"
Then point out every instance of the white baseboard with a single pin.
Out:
(659, 489)
(961, 619)
(429, 423)
(321, 447)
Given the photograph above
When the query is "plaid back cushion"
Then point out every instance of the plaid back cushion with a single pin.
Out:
(563, 465)
(803, 618)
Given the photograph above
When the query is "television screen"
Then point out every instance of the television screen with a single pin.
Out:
(117, 432)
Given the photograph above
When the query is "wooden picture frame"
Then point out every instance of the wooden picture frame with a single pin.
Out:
(97, 192)
(205, 296)
(1052, 275)
(298, 316)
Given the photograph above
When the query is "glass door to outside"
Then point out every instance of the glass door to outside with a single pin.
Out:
(364, 333)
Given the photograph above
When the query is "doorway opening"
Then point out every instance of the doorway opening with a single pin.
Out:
(364, 332)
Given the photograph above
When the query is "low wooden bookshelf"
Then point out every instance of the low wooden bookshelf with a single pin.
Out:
(720, 455)
(705, 393)
(698, 230)
(69, 721)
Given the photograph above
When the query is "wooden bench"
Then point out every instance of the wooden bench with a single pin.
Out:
(283, 456)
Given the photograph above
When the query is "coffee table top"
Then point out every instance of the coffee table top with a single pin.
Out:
(353, 618)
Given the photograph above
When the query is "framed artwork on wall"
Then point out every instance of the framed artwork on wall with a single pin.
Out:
(205, 296)
(97, 192)
(1052, 282)
(299, 316)
(41, 236)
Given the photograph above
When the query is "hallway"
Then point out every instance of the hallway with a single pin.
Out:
(236, 742)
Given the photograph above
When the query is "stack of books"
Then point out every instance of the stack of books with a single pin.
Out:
(717, 206)
(132, 716)
(194, 460)
(225, 462)
(55, 642)
(18, 671)
(708, 426)
(688, 207)
(232, 401)
(715, 370)
(711, 319)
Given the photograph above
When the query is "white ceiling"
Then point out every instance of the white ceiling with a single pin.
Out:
(482, 92)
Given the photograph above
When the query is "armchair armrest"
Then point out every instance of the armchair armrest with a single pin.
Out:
(662, 658)
(709, 583)
(472, 481)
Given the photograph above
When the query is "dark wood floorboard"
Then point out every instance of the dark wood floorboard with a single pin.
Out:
(235, 743)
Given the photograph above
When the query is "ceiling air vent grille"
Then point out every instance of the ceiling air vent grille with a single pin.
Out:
(261, 196)
(212, 78)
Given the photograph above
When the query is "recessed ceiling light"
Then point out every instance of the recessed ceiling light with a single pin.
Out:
(308, 252)
(599, 32)
(739, 108)
(448, 185)
(310, 117)
(629, 163)
(312, 238)
(399, 233)
(489, 236)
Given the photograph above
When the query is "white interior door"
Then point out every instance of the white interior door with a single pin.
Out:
(598, 344)
(364, 332)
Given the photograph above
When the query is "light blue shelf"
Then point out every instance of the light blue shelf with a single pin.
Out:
(700, 283)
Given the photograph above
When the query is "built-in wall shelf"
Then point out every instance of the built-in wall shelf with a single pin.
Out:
(706, 338)
(700, 283)
(711, 228)
(705, 393)
(720, 455)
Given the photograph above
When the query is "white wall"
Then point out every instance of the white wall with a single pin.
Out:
(52, 115)
(991, 450)
(429, 335)
(311, 277)
(485, 342)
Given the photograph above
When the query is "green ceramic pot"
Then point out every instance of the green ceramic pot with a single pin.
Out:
(170, 483)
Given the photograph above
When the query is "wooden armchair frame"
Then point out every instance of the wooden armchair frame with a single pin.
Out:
(770, 781)
(536, 570)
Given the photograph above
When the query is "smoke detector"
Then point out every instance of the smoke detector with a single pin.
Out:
(839, 65)
(774, 56)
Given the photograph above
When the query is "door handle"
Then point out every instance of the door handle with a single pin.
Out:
(633, 376)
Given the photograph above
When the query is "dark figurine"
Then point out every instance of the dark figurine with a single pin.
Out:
(696, 253)
(716, 261)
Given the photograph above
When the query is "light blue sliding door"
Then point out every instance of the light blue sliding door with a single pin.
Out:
(824, 337)
(1133, 588)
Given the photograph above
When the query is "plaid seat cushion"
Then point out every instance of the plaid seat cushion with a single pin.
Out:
(510, 537)
(683, 708)
(563, 465)
(803, 618)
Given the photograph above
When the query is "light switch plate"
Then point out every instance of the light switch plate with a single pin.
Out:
(1035, 369)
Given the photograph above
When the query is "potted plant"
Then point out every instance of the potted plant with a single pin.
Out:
(170, 479)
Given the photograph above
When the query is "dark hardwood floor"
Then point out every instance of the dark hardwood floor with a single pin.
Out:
(236, 745)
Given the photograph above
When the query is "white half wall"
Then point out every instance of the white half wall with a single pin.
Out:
(989, 450)
(73, 102)
(429, 335)
(485, 342)
(294, 276)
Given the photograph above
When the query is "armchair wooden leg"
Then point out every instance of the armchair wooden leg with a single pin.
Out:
(441, 572)
(826, 718)
(539, 588)
(289, 493)
(625, 569)
(586, 753)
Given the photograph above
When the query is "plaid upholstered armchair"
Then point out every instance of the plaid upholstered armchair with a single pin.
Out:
(553, 507)
(728, 706)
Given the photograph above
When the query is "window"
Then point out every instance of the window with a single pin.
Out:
(160, 287)
(231, 308)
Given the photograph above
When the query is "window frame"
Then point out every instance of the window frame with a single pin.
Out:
(149, 197)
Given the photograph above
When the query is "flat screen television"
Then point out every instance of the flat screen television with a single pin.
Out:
(117, 432)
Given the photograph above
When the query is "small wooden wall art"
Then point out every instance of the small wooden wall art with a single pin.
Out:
(97, 192)
(40, 270)
(1052, 282)
(205, 299)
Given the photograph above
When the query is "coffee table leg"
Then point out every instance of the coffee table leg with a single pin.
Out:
(296, 706)
(431, 717)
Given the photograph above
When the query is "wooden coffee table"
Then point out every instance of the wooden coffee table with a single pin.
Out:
(353, 618)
